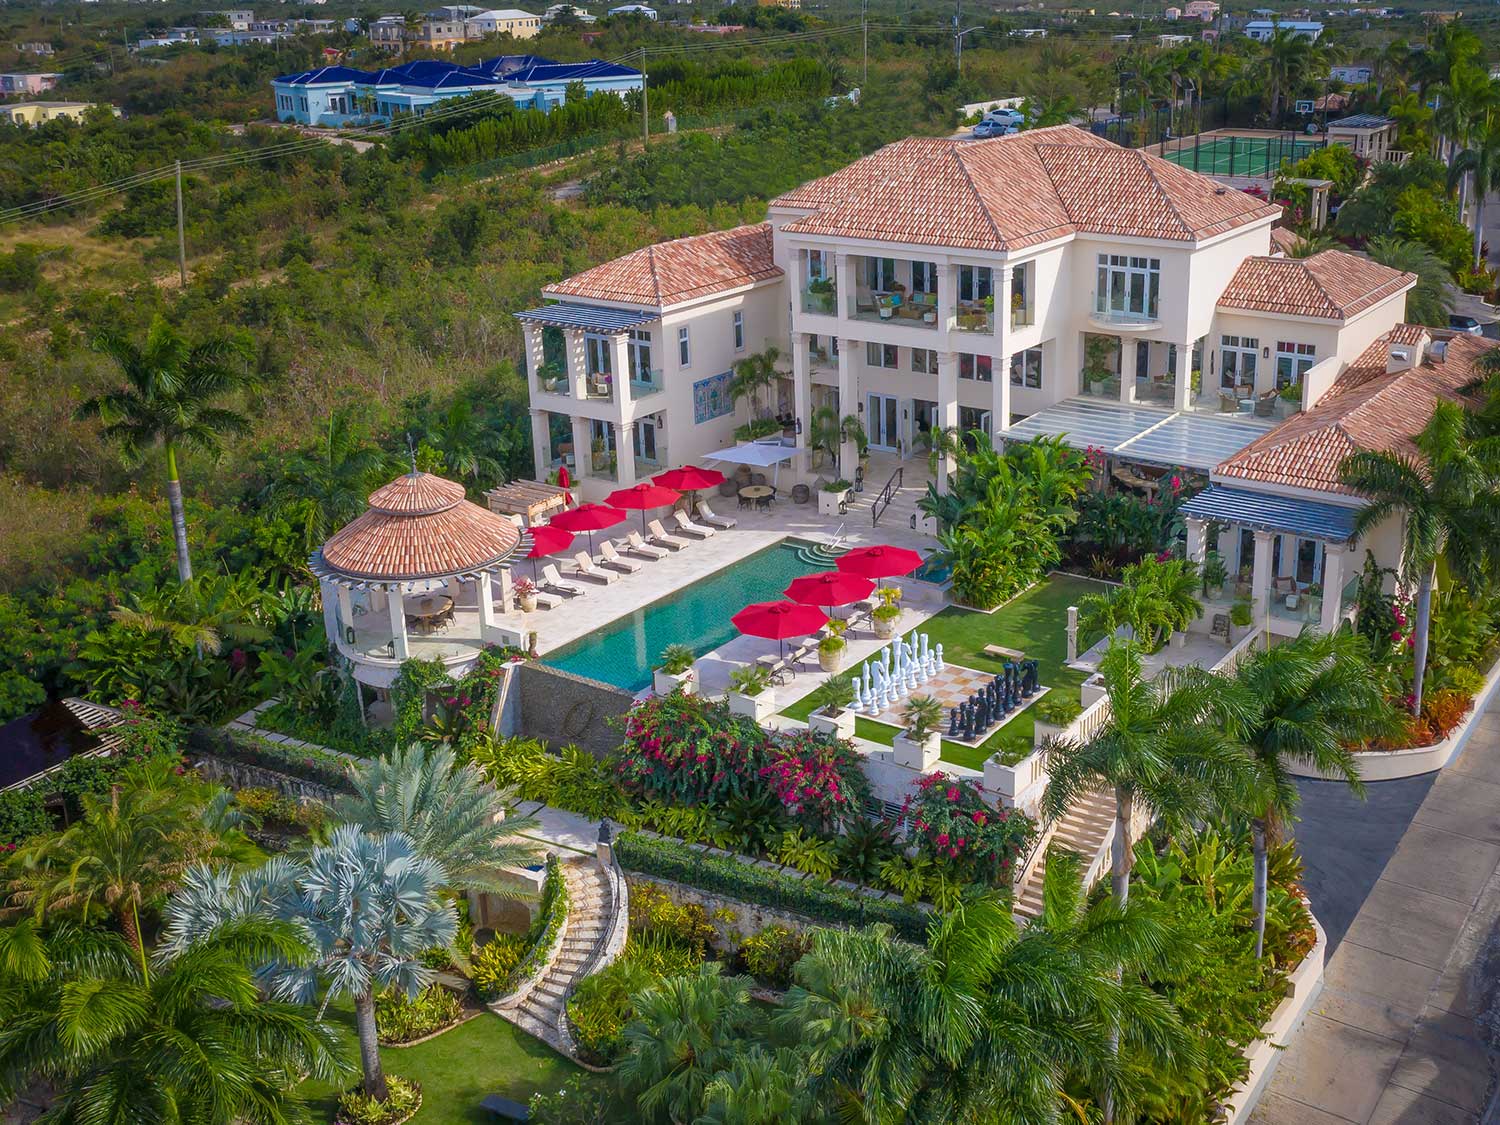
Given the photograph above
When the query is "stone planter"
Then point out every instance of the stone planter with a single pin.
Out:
(829, 503)
(1091, 691)
(831, 662)
(758, 707)
(885, 627)
(1285, 409)
(922, 755)
(840, 725)
(665, 683)
(1043, 732)
(527, 603)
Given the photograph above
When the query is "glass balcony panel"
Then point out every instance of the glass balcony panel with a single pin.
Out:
(1301, 607)
(645, 383)
(974, 317)
(1106, 388)
(1116, 307)
(552, 379)
(1022, 316)
(599, 386)
(820, 302)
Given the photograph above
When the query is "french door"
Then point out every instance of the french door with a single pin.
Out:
(882, 417)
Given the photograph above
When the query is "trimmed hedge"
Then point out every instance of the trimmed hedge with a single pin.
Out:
(302, 762)
(764, 886)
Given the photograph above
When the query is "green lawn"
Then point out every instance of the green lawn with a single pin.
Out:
(1035, 623)
(456, 1070)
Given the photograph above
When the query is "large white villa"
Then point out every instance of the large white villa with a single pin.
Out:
(1048, 282)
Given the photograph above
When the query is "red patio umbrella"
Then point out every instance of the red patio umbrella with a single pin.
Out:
(879, 561)
(643, 496)
(547, 540)
(829, 588)
(589, 518)
(690, 478)
(562, 483)
(779, 620)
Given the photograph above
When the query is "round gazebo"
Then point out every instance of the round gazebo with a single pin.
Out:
(415, 575)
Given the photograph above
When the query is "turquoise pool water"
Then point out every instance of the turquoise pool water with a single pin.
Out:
(937, 568)
(623, 652)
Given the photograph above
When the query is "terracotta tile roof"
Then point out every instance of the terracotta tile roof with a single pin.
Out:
(1366, 408)
(1333, 285)
(684, 269)
(1284, 239)
(1016, 191)
(419, 526)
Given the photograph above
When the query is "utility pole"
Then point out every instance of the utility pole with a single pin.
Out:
(181, 238)
(864, 28)
(645, 116)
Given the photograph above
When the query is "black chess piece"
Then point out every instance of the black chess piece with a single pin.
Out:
(953, 722)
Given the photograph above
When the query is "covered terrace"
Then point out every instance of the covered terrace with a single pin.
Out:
(1132, 432)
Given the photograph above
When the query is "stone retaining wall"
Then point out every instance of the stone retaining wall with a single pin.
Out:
(733, 919)
(242, 775)
(562, 709)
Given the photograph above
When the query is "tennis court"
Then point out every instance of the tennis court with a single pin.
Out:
(1219, 154)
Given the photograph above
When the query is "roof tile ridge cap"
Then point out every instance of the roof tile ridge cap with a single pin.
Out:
(1333, 305)
(1165, 195)
(1062, 200)
(956, 153)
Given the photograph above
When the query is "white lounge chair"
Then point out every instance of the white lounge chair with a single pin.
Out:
(611, 558)
(638, 546)
(587, 569)
(545, 600)
(706, 514)
(660, 537)
(688, 527)
(551, 580)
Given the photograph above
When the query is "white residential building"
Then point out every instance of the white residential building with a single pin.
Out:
(1045, 283)
(503, 21)
(1262, 30)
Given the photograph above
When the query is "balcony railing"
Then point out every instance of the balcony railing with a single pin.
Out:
(1105, 313)
(602, 466)
(1348, 596)
(974, 318)
(599, 386)
(1301, 607)
(552, 380)
(1022, 316)
(889, 308)
(1105, 388)
(822, 358)
(646, 383)
(820, 304)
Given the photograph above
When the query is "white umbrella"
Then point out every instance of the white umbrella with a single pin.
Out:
(760, 454)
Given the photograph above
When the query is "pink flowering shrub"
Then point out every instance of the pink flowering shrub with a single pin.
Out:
(950, 823)
(687, 749)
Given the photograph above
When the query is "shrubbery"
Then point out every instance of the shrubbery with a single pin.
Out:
(301, 762)
(959, 833)
(401, 1018)
(548, 923)
(772, 953)
(356, 1108)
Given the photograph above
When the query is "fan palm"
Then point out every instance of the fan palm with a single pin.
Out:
(368, 904)
(167, 402)
(1167, 748)
(325, 488)
(450, 812)
(1315, 695)
(1449, 507)
(194, 1041)
(1428, 302)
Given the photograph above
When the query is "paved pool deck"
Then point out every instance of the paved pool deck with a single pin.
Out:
(1398, 1036)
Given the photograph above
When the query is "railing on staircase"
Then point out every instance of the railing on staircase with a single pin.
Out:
(887, 494)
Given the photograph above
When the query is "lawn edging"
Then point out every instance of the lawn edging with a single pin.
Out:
(1390, 765)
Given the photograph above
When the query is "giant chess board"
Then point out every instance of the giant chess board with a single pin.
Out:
(953, 686)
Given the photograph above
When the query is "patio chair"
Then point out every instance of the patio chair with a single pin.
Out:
(660, 537)
(706, 514)
(587, 569)
(552, 581)
(1265, 405)
(546, 600)
(688, 527)
(638, 546)
(611, 558)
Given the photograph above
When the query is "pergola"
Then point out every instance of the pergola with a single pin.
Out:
(419, 535)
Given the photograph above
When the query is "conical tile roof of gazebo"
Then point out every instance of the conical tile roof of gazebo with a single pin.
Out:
(418, 526)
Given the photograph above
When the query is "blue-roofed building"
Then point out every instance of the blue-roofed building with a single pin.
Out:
(342, 95)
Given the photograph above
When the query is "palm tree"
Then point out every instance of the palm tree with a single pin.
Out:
(201, 613)
(760, 1087)
(194, 1041)
(449, 811)
(1168, 747)
(369, 904)
(1154, 599)
(1428, 301)
(1480, 163)
(1314, 695)
(168, 402)
(753, 374)
(465, 443)
(326, 488)
(1288, 59)
(1464, 102)
(685, 1030)
(1392, 66)
(1449, 507)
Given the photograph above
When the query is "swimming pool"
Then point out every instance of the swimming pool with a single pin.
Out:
(624, 651)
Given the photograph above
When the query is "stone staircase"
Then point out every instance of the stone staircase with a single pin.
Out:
(592, 936)
(902, 507)
(1087, 829)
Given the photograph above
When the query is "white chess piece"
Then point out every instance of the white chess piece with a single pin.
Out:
(939, 653)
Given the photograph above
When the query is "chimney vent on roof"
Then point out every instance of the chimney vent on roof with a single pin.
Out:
(1437, 350)
(1401, 357)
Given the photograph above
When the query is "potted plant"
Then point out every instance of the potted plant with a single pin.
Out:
(1214, 574)
(1054, 713)
(1289, 400)
(821, 293)
(919, 745)
(553, 378)
(526, 594)
(1240, 614)
(675, 672)
(750, 693)
(1314, 595)
(831, 714)
(1098, 362)
(832, 497)
(888, 612)
(831, 647)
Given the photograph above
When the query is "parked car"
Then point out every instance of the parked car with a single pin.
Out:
(988, 129)
(1465, 324)
(1008, 117)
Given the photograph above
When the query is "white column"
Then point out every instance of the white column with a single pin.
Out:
(619, 365)
(624, 455)
(1260, 575)
(843, 280)
(947, 297)
(848, 404)
(1000, 391)
(541, 444)
(397, 610)
(1197, 539)
(1002, 289)
(1127, 368)
(536, 354)
(947, 407)
(802, 400)
(577, 363)
(1182, 389)
(1334, 556)
(487, 623)
(345, 615)
(583, 456)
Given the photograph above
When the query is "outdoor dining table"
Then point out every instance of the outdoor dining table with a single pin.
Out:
(759, 494)
(428, 610)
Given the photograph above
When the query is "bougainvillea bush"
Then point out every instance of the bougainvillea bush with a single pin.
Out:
(689, 750)
(951, 825)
